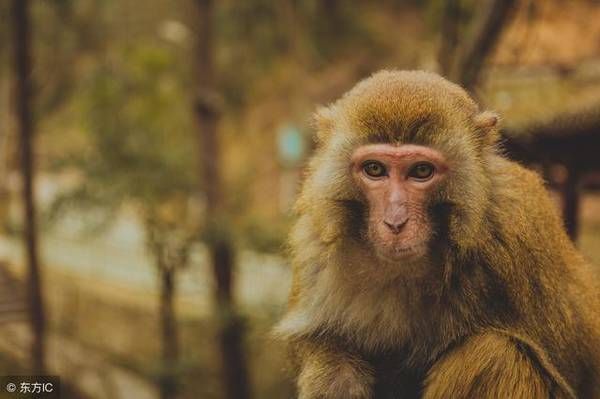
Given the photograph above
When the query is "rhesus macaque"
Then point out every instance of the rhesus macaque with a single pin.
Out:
(426, 264)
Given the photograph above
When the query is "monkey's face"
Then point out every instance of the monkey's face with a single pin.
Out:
(397, 182)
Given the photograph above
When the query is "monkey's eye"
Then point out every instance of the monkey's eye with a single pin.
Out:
(422, 171)
(374, 169)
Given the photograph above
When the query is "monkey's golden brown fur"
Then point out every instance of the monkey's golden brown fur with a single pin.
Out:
(502, 306)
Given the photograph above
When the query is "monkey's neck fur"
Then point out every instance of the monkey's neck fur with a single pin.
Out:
(363, 301)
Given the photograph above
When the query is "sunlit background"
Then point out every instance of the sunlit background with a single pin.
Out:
(168, 139)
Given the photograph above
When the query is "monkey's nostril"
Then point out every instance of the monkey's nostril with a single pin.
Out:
(395, 227)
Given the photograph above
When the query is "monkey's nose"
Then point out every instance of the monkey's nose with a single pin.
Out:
(395, 227)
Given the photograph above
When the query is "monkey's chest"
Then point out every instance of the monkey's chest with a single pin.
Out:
(373, 321)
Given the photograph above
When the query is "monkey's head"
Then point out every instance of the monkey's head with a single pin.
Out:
(401, 166)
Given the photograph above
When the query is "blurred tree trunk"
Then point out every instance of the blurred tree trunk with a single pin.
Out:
(4, 128)
(450, 23)
(170, 341)
(168, 261)
(483, 40)
(23, 96)
(328, 13)
(233, 362)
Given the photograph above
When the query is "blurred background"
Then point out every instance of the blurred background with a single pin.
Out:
(150, 153)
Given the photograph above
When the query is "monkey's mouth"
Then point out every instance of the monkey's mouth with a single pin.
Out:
(399, 252)
(398, 247)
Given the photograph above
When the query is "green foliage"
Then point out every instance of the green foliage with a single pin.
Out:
(138, 133)
(256, 37)
(435, 12)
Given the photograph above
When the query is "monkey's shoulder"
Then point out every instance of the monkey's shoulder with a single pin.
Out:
(520, 198)
(513, 180)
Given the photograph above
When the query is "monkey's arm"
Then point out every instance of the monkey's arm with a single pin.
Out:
(328, 373)
(489, 366)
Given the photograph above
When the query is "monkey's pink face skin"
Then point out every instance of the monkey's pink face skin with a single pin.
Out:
(397, 181)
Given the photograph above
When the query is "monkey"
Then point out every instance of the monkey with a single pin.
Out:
(426, 264)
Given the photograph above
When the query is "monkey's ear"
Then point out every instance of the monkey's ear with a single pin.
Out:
(487, 124)
(323, 123)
